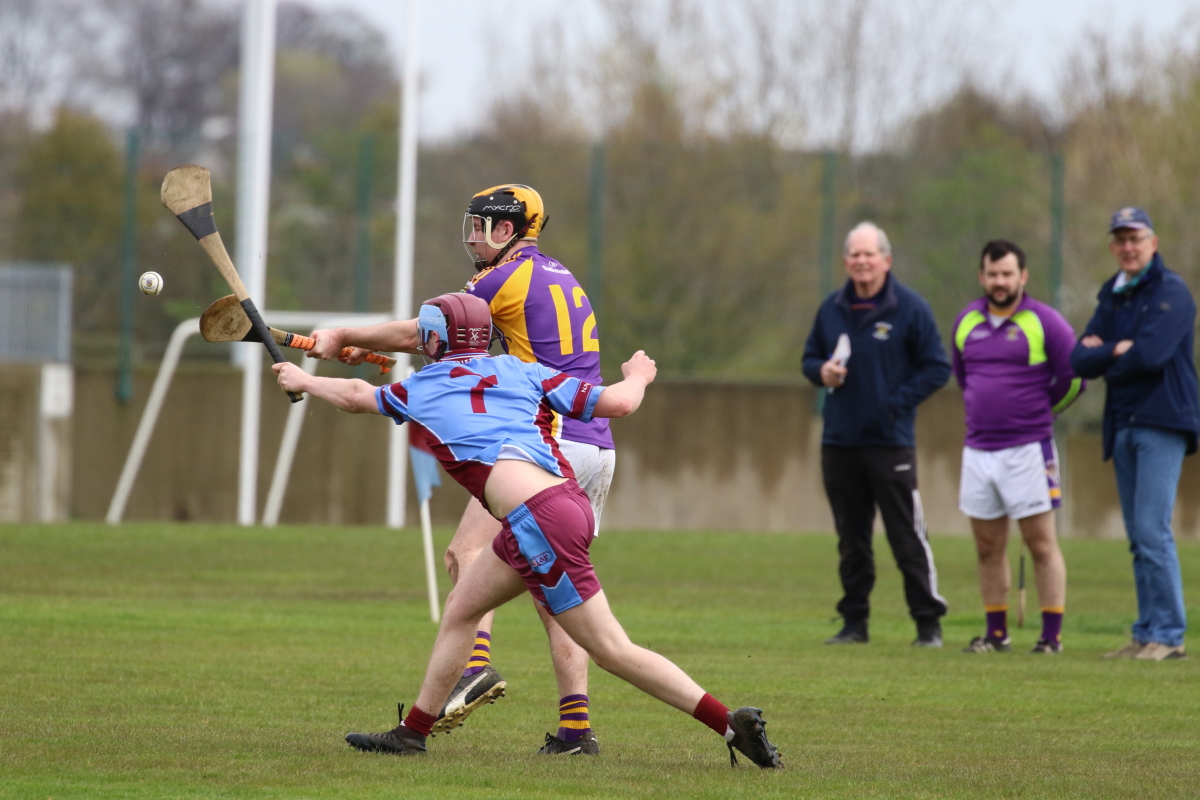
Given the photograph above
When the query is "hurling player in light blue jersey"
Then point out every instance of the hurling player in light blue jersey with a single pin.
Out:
(542, 315)
(488, 420)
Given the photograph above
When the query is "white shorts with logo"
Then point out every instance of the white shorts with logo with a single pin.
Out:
(1017, 482)
(593, 467)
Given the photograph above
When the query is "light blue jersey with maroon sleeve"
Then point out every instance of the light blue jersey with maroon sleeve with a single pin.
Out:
(543, 315)
(476, 409)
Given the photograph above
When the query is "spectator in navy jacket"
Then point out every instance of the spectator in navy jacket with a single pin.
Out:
(867, 450)
(1140, 340)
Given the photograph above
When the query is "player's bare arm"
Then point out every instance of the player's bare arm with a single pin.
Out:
(399, 336)
(624, 397)
(352, 395)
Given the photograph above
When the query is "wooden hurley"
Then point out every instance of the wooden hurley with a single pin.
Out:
(226, 321)
(187, 192)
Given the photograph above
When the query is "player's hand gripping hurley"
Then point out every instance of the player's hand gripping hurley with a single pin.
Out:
(187, 192)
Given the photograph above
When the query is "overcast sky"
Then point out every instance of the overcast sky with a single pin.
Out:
(455, 39)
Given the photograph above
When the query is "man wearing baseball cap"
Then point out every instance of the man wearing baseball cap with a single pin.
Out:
(1140, 341)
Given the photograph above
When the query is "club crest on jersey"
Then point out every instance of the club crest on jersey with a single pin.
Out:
(1013, 334)
(882, 331)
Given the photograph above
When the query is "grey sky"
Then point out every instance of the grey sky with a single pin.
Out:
(1037, 35)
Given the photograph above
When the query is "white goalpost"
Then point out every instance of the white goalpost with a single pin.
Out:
(255, 111)
(162, 383)
(255, 115)
(255, 103)
(402, 288)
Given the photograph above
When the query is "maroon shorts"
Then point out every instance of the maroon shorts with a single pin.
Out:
(546, 540)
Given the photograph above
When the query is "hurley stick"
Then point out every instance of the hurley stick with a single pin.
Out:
(187, 192)
(1021, 588)
(225, 321)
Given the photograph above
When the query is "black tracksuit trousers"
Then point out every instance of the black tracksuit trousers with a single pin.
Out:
(856, 480)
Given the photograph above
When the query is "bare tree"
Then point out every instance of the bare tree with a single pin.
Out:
(168, 57)
(816, 73)
(35, 66)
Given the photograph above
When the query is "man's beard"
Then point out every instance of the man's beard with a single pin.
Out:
(1006, 302)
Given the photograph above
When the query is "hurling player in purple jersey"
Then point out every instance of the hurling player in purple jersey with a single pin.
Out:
(489, 421)
(1012, 358)
(542, 315)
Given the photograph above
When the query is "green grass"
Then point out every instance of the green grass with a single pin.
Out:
(152, 661)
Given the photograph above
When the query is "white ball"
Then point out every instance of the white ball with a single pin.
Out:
(150, 283)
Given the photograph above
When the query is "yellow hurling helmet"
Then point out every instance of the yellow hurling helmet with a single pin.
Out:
(519, 204)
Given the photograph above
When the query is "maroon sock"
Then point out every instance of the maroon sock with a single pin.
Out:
(710, 711)
(419, 721)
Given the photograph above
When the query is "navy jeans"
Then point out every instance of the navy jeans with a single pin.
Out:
(1148, 462)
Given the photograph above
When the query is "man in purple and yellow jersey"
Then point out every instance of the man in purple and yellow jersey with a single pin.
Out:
(1012, 358)
(542, 315)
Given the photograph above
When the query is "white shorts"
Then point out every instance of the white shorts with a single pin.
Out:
(593, 467)
(1017, 482)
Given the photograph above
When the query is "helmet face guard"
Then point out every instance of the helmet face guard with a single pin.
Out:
(477, 229)
(432, 320)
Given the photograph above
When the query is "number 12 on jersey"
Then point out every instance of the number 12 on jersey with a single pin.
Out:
(566, 336)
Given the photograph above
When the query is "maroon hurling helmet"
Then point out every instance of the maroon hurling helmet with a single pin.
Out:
(462, 321)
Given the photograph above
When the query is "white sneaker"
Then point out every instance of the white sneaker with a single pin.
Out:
(1128, 651)
(1157, 651)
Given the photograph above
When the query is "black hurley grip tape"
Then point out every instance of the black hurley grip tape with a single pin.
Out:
(199, 220)
(264, 333)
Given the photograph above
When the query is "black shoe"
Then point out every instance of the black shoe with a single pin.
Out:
(750, 738)
(929, 632)
(1046, 646)
(399, 740)
(988, 644)
(854, 631)
(586, 746)
(471, 692)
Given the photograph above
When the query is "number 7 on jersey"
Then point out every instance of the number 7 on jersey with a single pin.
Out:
(477, 405)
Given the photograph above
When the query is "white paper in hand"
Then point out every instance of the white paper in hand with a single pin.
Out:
(841, 353)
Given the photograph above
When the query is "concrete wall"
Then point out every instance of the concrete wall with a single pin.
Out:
(697, 455)
(36, 442)
(748, 457)
(190, 468)
(18, 441)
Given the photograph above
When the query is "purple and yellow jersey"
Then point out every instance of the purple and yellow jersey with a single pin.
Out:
(1015, 377)
(544, 316)
(475, 409)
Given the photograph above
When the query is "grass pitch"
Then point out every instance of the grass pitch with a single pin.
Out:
(151, 661)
